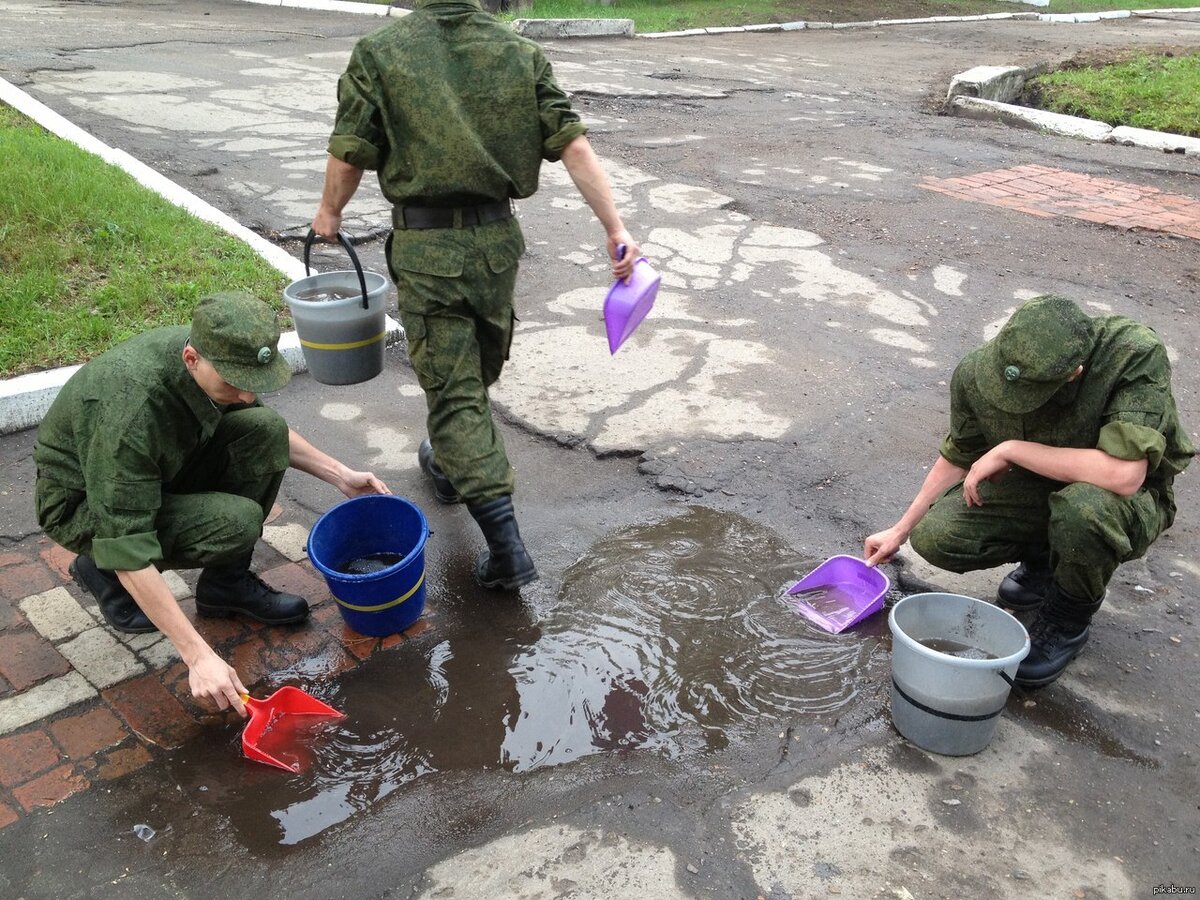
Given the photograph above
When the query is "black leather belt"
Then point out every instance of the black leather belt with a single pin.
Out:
(450, 217)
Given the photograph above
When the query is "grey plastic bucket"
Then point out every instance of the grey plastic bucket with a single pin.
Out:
(945, 703)
(343, 339)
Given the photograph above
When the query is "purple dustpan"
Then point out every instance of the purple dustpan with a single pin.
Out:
(840, 592)
(627, 304)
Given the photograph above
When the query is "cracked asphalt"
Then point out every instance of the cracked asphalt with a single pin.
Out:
(791, 382)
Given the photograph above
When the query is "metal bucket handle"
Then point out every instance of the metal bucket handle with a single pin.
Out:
(362, 280)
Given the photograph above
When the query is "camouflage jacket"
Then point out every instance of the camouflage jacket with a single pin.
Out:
(451, 108)
(121, 429)
(1122, 404)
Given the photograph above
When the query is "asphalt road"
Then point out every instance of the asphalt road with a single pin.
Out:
(792, 380)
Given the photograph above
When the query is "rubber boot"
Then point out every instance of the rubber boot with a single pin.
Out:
(117, 605)
(505, 564)
(1056, 635)
(443, 490)
(1024, 588)
(225, 590)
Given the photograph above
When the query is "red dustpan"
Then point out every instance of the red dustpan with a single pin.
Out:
(269, 720)
(627, 304)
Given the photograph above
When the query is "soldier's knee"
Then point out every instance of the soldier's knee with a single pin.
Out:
(241, 521)
(261, 423)
(925, 542)
(1082, 507)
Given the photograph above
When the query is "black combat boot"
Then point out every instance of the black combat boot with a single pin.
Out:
(225, 590)
(1056, 635)
(1024, 588)
(443, 490)
(117, 605)
(505, 564)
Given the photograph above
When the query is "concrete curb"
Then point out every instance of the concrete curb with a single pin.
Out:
(985, 92)
(541, 29)
(25, 399)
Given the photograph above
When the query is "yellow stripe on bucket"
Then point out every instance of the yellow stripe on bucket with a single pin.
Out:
(351, 345)
(383, 606)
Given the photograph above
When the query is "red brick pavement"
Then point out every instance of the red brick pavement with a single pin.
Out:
(125, 726)
(1046, 192)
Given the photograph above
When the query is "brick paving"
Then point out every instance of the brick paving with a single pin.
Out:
(1046, 192)
(81, 705)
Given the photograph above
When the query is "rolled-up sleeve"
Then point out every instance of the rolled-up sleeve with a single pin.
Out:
(560, 123)
(1137, 414)
(1133, 440)
(358, 136)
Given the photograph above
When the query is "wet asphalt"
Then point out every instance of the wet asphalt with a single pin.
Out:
(781, 408)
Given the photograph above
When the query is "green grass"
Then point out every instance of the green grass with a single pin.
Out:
(88, 257)
(671, 15)
(1161, 93)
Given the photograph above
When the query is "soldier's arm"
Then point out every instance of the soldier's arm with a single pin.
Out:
(585, 170)
(341, 181)
(209, 676)
(882, 546)
(1066, 464)
(304, 456)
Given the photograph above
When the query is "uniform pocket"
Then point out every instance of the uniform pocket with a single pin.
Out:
(502, 245)
(130, 495)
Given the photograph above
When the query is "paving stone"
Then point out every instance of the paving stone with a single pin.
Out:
(12, 558)
(56, 614)
(7, 815)
(249, 660)
(57, 558)
(43, 700)
(101, 658)
(295, 578)
(97, 729)
(179, 587)
(160, 655)
(418, 628)
(290, 540)
(10, 616)
(27, 658)
(50, 788)
(22, 579)
(24, 755)
(122, 762)
(152, 711)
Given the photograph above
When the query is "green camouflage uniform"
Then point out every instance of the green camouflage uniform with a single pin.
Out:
(453, 109)
(1122, 404)
(137, 466)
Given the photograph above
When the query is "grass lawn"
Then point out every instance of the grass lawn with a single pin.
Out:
(1161, 93)
(673, 15)
(88, 257)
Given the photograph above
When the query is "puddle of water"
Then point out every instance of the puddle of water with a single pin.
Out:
(669, 637)
(1070, 717)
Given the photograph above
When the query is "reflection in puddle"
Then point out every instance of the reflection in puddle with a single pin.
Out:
(668, 637)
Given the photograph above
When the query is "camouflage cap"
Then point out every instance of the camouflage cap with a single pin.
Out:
(239, 335)
(1037, 350)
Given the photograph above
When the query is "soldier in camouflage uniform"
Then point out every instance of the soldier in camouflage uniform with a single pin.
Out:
(1064, 442)
(456, 113)
(158, 455)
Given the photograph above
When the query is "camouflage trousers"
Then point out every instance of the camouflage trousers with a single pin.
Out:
(212, 513)
(455, 293)
(1087, 531)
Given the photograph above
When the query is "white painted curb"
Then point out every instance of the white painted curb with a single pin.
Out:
(25, 399)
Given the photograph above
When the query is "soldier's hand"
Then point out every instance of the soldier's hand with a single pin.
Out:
(623, 267)
(882, 546)
(992, 466)
(327, 224)
(214, 681)
(359, 483)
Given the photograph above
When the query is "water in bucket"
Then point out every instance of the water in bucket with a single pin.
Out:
(953, 661)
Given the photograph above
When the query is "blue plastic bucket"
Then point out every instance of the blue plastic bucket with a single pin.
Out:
(378, 603)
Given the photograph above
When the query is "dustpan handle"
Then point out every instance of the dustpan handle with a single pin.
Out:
(362, 279)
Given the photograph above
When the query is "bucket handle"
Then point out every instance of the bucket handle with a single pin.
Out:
(362, 279)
